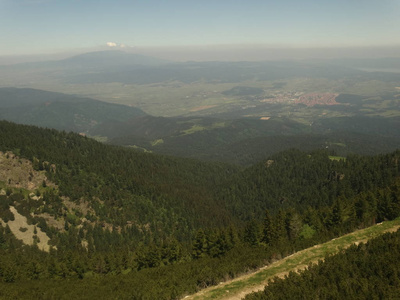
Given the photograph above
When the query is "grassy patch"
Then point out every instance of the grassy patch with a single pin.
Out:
(197, 127)
(218, 125)
(2, 185)
(339, 144)
(101, 139)
(193, 129)
(157, 142)
(331, 157)
(140, 148)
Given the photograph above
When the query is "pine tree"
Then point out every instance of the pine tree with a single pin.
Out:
(199, 247)
(269, 230)
(252, 233)
(294, 225)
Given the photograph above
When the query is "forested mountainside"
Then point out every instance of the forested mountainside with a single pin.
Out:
(294, 179)
(153, 190)
(131, 225)
(216, 146)
(364, 271)
(60, 111)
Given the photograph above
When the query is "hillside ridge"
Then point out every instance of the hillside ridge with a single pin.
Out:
(239, 287)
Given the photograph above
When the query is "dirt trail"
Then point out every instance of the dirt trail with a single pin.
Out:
(238, 288)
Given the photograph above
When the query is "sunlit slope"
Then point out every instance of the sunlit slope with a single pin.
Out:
(240, 287)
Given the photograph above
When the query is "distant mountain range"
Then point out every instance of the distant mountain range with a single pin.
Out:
(95, 60)
(112, 58)
(130, 68)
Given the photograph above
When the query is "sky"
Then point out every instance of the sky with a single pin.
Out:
(30, 27)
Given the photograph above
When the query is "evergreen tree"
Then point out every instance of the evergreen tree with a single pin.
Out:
(252, 233)
(269, 230)
(200, 246)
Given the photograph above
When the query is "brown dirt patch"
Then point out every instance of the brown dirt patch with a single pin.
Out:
(27, 236)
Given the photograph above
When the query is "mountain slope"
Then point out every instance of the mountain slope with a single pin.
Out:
(121, 222)
(298, 262)
(110, 59)
(98, 60)
(361, 271)
(296, 180)
(60, 111)
(246, 142)
(148, 187)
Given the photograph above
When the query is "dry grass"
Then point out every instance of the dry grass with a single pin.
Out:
(27, 236)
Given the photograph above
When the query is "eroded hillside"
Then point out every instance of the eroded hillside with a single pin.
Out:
(26, 208)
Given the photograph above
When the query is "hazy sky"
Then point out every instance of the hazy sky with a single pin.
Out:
(45, 26)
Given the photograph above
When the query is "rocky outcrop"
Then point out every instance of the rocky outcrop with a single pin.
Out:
(18, 172)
